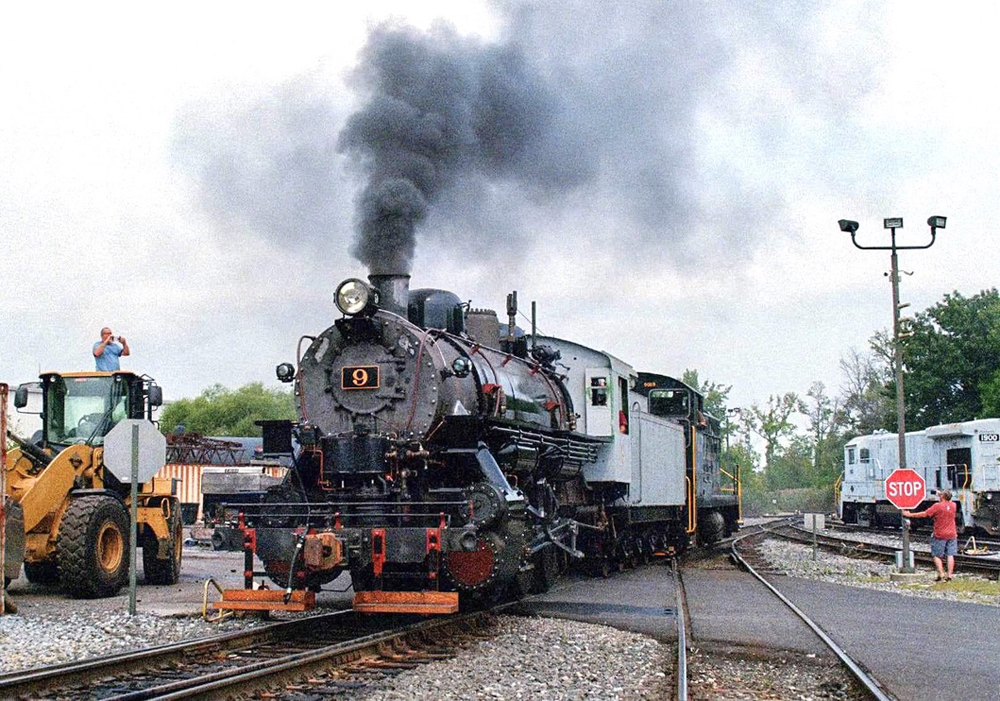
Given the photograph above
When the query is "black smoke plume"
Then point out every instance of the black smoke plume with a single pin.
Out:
(441, 107)
(649, 134)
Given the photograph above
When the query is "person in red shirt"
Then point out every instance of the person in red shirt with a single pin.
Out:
(944, 540)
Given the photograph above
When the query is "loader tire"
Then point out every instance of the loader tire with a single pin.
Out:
(168, 570)
(93, 547)
(44, 572)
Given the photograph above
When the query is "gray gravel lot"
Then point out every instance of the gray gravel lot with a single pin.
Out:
(530, 657)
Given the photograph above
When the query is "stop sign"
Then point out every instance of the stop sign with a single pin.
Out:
(904, 488)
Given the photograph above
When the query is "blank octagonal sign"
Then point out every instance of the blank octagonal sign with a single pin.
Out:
(118, 450)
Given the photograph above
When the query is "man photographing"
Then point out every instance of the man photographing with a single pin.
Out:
(108, 350)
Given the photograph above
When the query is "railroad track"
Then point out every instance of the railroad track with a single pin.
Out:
(308, 654)
(988, 543)
(854, 548)
(857, 672)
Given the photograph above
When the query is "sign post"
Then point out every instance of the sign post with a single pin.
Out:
(134, 451)
(906, 490)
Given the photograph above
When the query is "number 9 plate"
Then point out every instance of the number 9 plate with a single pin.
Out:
(359, 377)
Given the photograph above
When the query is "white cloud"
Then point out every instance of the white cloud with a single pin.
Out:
(871, 110)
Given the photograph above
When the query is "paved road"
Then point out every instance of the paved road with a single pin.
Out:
(731, 607)
(918, 647)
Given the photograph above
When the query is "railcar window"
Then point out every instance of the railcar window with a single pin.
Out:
(865, 455)
(668, 402)
(598, 391)
(850, 456)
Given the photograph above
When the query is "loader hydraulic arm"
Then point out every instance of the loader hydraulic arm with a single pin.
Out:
(30, 449)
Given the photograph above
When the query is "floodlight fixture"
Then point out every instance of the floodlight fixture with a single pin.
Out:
(936, 222)
(893, 223)
(848, 226)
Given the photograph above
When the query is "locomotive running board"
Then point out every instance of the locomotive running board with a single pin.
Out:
(423, 602)
(265, 600)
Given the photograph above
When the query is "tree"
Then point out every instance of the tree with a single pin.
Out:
(716, 395)
(952, 360)
(825, 423)
(219, 411)
(866, 404)
(773, 424)
(791, 465)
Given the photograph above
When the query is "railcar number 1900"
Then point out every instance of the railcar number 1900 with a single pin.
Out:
(989, 437)
(359, 377)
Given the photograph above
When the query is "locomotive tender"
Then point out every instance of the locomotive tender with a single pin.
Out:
(961, 457)
(442, 455)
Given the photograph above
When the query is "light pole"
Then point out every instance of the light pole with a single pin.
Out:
(735, 476)
(892, 224)
(735, 411)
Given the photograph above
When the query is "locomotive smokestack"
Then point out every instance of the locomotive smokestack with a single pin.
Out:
(393, 290)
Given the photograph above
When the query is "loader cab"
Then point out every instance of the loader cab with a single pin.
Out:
(81, 408)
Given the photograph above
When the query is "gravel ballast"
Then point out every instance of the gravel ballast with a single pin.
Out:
(528, 658)
(540, 658)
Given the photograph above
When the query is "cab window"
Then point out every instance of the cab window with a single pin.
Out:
(668, 402)
(598, 391)
(84, 409)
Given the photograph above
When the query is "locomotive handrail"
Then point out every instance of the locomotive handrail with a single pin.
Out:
(440, 511)
(693, 486)
(331, 504)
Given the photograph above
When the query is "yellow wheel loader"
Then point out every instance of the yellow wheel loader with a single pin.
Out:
(75, 508)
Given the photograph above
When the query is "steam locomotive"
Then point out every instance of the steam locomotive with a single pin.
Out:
(445, 457)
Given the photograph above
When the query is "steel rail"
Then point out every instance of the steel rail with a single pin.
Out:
(856, 670)
(682, 675)
(18, 683)
(209, 685)
(838, 525)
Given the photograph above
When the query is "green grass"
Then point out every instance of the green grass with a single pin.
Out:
(970, 586)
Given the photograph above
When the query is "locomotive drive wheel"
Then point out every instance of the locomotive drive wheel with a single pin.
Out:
(167, 570)
(93, 547)
(44, 572)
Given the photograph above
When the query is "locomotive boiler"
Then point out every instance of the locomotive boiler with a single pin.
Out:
(442, 457)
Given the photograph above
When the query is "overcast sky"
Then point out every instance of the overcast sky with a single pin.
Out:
(664, 180)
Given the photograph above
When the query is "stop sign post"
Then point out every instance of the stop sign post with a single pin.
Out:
(905, 489)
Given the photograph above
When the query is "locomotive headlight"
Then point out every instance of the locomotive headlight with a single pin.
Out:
(354, 296)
